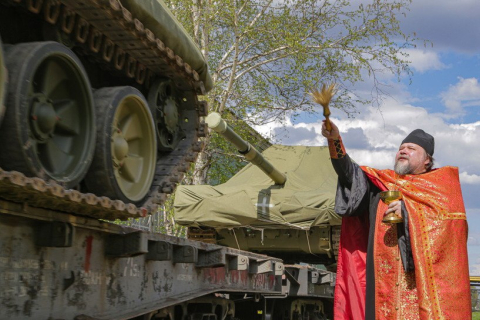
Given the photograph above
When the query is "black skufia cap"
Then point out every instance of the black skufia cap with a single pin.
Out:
(423, 139)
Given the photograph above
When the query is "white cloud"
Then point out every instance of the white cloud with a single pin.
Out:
(475, 267)
(270, 129)
(466, 178)
(422, 60)
(373, 137)
(465, 93)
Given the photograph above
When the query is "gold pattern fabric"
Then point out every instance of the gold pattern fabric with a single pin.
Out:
(439, 288)
(397, 296)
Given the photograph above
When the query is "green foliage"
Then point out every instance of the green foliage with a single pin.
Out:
(265, 55)
(225, 160)
(475, 300)
(162, 221)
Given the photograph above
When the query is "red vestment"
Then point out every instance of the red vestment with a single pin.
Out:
(439, 288)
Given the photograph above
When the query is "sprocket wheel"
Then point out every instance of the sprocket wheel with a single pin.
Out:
(166, 113)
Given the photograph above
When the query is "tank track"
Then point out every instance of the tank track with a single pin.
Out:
(109, 34)
(36, 192)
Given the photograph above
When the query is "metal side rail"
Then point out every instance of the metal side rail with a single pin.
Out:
(60, 266)
(307, 281)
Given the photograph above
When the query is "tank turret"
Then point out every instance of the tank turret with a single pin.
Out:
(216, 123)
(293, 220)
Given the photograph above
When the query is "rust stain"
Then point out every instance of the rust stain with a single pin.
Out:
(234, 276)
(88, 253)
(244, 276)
(263, 281)
(239, 277)
(220, 274)
(272, 281)
(215, 275)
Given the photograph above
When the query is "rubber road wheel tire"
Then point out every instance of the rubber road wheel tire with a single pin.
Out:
(49, 128)
(124, 163)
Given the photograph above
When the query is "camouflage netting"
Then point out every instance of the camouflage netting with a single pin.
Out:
(156, 16)
(250, 198)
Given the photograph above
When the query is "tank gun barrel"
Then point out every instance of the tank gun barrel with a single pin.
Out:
(216, 123)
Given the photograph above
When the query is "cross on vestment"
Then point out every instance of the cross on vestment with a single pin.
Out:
(264, 205)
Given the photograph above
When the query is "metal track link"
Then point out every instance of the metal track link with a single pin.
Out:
(16, 187)
(109, 33)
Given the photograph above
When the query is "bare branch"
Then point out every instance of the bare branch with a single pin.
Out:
(242, 36)
(263, 63)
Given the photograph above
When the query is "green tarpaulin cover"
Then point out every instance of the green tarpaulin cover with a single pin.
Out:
(156, 16)
(250, 198)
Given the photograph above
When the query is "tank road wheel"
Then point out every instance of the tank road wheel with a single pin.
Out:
(166, 113)
(123, 166)
(49, 128)
(3, 81)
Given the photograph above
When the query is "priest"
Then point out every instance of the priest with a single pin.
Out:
(416, 269)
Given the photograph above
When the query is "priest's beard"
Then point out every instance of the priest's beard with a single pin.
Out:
(402, 168)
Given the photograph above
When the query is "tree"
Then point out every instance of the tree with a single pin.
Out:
(265, 55)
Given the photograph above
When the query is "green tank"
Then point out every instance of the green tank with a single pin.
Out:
(99, 107)
(281, 204)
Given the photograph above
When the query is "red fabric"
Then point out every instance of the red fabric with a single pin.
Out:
(349, 300)
(434, 202)
(439, 288)
(377, 182)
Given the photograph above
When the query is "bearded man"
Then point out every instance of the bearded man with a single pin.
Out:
(417, 269)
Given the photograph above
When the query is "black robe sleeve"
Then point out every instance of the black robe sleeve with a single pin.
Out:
(404, 241)
(352, 188)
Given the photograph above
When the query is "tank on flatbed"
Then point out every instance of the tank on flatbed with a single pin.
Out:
(282, 204)
(99, 119)
(99, 104)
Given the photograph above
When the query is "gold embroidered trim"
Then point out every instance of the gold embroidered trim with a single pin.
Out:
(336, 148)
(432, 292)
(453, 216)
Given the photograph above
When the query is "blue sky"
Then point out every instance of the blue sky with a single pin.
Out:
(443, 99)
